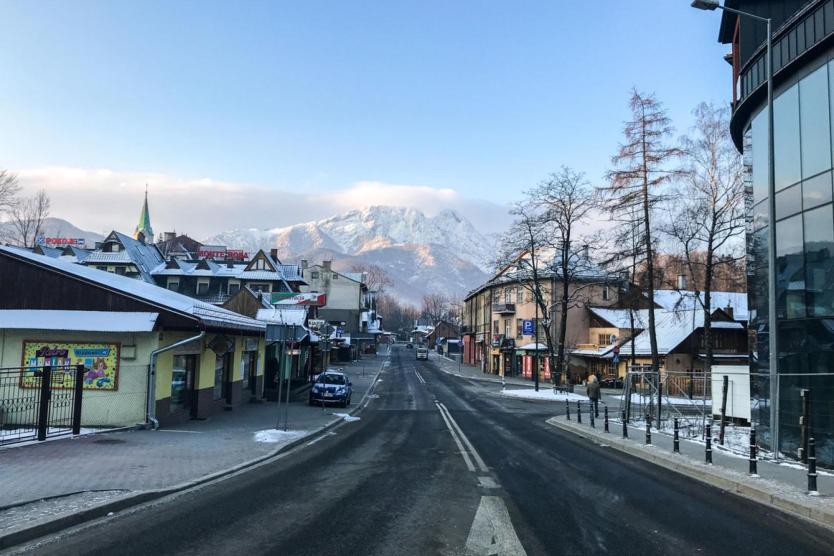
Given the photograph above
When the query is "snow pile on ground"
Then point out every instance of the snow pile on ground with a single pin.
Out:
(546, 394)
(347, 417)
(671, 400)
(273, 436)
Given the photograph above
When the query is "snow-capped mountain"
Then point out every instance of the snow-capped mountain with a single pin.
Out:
(420, 253)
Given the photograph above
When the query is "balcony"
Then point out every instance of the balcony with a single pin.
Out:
(503, 308)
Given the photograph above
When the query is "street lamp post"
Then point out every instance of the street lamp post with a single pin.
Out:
(771, 214)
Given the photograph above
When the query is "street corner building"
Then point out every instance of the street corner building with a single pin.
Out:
(149, 355)
(803, 91)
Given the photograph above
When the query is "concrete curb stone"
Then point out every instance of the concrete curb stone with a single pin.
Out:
(709, 475)
(20, 536)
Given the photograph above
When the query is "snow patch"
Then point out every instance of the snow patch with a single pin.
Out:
(347, 417)
(272, 436)
(544, 394)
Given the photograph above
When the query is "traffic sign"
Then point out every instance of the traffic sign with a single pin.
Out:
(528, 327)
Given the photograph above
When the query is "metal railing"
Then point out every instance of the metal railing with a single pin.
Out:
(40, 402)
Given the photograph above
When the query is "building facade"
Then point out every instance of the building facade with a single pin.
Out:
(803, 65)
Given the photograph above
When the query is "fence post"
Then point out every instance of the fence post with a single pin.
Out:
(724, 388)
(578, 412)
(708, 453)
(812, 467)
(648, 429)
(804, 424)
(76, 399)
(753, 465)
(625, 425)
(43, 408)
(606, 418)
(591, 414)
(676, 440)
(567, 409)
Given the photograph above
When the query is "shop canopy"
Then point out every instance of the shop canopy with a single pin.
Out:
(82, 321)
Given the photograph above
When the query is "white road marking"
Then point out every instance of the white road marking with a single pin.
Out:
(487, 482)
(462, 451)
(478, 459)
(420, 377)
(492, 530)
(175, 430)
(322, 437)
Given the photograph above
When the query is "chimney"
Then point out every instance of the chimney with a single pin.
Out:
(681, 281)
(304, 264)
(326, 265)
(274, 254)
(729, 310)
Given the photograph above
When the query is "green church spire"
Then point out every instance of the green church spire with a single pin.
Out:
(143, 228)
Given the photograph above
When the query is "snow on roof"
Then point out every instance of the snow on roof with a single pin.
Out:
(532, 346)
(620, 318)
(149, 293)
(673, 299)
(672, 328)
(293, 315)
(92, 321)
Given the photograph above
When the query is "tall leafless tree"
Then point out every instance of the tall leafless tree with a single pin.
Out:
(641, 168)
(27, 217)
(9, 189)
(435, 307)
(376, 279)
(707, 218)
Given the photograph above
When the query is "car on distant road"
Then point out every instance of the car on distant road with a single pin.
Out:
(611, 382)
(331, 387)
(422, 353)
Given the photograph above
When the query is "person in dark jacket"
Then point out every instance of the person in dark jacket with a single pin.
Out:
(593, 393)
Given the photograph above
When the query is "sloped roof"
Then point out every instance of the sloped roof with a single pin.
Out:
(91, 321)
(672, 328)
(209, 315)
(672, 300)
(620, 318)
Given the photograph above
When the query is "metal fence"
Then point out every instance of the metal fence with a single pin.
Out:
(40, 402)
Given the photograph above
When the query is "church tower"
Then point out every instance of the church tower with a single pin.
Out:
(143, 231)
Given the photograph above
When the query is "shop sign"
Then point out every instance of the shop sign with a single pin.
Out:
(60, 241)
(101, 362)
(250, 344)
(291, 298)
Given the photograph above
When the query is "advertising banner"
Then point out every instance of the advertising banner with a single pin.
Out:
(101, 361)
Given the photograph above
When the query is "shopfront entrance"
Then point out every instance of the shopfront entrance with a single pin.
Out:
(184, 385)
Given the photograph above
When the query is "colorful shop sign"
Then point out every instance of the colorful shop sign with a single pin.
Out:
(60, 241)
(101, 361)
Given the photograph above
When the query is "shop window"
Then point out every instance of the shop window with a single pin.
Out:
(819, 260)
(814, 123)
(219, 377)
(181, 377)
(786, 138)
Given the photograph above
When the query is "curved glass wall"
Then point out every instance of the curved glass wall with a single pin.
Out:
(804, 259)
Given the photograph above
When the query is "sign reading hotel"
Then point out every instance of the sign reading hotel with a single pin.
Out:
(227, 254)
(100, 360)
(290, 298)
(60, 241)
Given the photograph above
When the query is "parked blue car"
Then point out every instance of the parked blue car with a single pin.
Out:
(331, 387)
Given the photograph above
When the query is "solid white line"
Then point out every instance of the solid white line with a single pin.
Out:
(457, 441)
(420, 377)
(469, 445)
(322, 437)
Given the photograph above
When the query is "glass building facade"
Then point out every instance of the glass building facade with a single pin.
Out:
(803, 159)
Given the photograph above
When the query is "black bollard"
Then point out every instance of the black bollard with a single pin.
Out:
(578, 413)
(591, 414)
(648, 431)
(708, 453)
(753, 465)
(567, 409)
(812, 466)
(625, 426)
(676, 446)
(606, 418)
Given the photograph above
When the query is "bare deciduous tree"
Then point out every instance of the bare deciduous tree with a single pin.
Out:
(375, 277)
(707, 219)
(435, 307)
(9, 190)
(640, 169)
(27, 216)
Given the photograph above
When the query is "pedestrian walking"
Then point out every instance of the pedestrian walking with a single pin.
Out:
(593, 393)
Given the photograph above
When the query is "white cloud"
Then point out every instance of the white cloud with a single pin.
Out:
(101, 200)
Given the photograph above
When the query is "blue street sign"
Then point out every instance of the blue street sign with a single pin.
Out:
(528, 327)
(340, 330)
(616, 358)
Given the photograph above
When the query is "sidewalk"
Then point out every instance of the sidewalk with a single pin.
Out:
(780, 485)
(464, 370)
(43, 481)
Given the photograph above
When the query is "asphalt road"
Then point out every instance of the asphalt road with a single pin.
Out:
(442, 465)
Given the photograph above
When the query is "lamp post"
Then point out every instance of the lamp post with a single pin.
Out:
(771, 214)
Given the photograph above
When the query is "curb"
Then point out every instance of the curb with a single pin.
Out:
(750, 489)
(53, 526)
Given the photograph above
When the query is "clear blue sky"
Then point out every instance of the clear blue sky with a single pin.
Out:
(485, 97)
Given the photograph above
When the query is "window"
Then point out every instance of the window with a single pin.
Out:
(604, 339)
(314, 275)
(181, 377)
(819, 260)
(335, 276)
(519, 325)
(605, 293)
(786, 138)
(495, 327)
(259, 287)
(219, 376)
(519, 295)
(788, 201)
(202, 288)
(104, 268)
(814, 123)
(759, 157)
(174, 285)
(120, 270)
(816, 191)
(234, 288)
(507, 328)
(790, 271)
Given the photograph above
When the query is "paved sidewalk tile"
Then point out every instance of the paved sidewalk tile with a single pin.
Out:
(136, 460)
